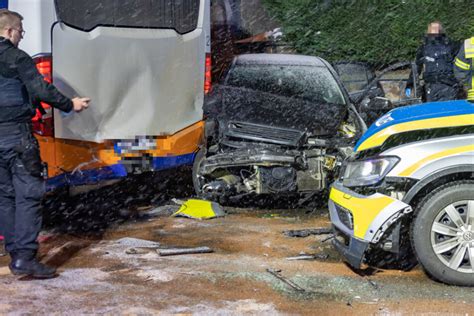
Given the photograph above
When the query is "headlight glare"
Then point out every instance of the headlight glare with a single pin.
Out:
(368, 172)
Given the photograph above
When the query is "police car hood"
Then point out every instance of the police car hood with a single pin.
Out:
(417, 117)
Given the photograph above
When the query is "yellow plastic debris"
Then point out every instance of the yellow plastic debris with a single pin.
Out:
(200, 209)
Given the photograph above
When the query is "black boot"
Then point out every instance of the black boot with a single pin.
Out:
(31, 267)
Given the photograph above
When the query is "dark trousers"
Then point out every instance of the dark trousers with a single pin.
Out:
(20, 194)
(440, 92)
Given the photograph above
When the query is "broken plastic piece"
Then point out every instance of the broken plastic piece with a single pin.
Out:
(200, 209)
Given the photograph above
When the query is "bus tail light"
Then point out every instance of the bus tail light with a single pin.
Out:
(207, 74)
(43, 123)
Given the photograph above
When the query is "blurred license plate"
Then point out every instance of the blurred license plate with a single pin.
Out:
(143, 143)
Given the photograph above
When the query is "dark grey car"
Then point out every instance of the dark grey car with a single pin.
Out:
(278, 124)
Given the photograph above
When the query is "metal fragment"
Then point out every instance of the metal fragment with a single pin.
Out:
(276, 274)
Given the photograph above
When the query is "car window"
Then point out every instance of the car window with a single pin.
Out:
(394, 83)
(311, 83)
(355, 77)
(87, 14)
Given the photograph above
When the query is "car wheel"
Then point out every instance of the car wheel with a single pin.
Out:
(443, 233)
(198, 179)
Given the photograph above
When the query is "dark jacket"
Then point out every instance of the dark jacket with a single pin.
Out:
(435, 59)
(22, 87)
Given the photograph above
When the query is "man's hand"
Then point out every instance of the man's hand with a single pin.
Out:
(80, 104)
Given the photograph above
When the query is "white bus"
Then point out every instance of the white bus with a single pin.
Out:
(144, 63)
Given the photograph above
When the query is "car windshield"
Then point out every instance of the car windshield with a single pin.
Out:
(311, 83)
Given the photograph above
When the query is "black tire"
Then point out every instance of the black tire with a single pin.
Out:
(198, 181)
(435, 226)
(197, 184)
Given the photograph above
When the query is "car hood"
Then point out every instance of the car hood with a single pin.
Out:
(417, 117)
(255, 107)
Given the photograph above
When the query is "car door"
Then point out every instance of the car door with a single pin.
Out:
(355, 77)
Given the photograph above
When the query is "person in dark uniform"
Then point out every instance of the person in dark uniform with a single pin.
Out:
(21, 182)
(435, 59)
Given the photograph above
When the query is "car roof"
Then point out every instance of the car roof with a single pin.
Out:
(279, 59)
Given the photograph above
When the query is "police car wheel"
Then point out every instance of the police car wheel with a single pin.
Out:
(443, 233)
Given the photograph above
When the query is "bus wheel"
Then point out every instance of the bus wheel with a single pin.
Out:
(443, 233)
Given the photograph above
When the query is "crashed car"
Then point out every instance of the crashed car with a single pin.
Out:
(406, 194)
(279, 124)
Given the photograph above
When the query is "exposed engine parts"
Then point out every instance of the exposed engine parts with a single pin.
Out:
(245, 172)
(241, 158)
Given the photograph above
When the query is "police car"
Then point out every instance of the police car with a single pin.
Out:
(407, 193)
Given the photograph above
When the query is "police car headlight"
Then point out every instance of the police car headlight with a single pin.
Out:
(367, 172)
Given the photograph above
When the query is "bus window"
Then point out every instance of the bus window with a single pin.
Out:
(87, 14)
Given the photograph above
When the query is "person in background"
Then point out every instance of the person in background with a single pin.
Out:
(21, 170)
(434, 60)
(463, 67)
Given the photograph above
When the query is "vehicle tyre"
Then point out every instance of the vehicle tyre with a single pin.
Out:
(442, 233)
(197, 182)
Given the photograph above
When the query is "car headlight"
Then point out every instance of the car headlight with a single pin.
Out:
(367, 172)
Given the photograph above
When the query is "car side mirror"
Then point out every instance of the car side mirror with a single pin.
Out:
(379, 104)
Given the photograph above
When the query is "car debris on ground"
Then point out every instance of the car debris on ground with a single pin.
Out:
(309, 257)
(137, 251)
(137, 246)
(373, 283)
(277, 274)
(184, 251)
(307, 232)
(200, 209)
(163, 210)
(137, 243)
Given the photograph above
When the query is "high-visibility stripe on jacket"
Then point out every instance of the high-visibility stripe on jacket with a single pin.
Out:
(463, 66)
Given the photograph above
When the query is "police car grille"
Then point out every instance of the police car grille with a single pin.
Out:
(345, 216)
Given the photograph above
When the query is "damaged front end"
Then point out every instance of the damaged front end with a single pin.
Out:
(371, 227)
(278, 124)
(256, 159)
